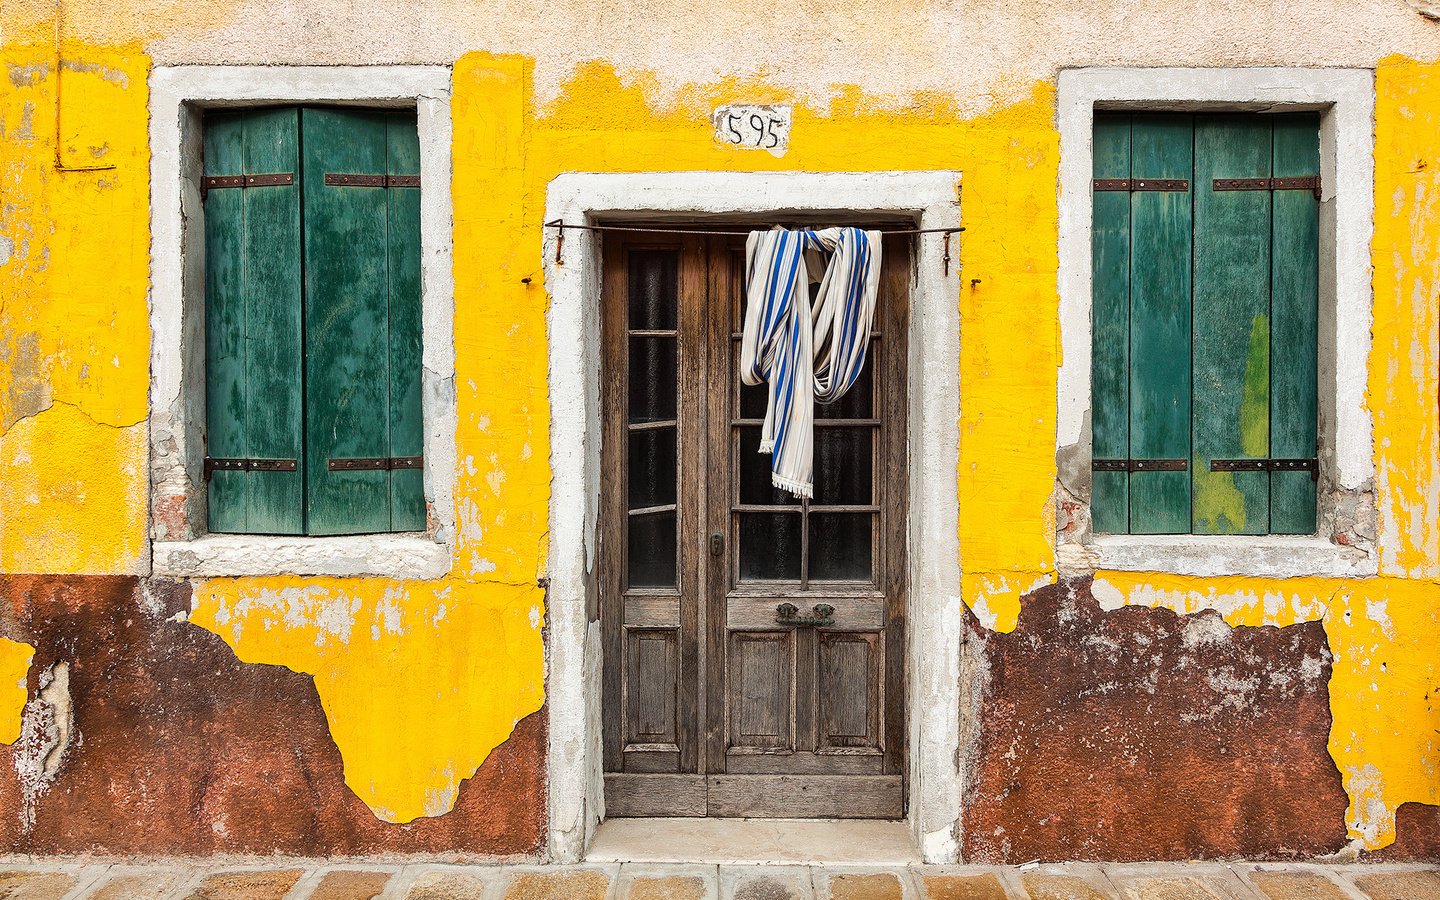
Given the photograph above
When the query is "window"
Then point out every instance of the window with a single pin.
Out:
(1204, 291)
(312, 321)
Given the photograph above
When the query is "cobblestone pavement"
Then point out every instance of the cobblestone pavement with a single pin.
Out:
(309, 881)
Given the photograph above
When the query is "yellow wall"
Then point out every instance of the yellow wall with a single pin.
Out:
(420, 681)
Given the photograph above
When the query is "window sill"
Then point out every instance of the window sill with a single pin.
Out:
(410, 556)
(1275, 556)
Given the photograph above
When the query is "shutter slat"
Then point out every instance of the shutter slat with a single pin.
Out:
(1232, 324)
(1160, 339)
(1295, 282)
(346, 322)
(252, 302)
(272, 312)
(407, 495)
(1110, 325)
(225, 389)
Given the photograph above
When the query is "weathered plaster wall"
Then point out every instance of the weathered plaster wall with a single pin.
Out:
(236, 696)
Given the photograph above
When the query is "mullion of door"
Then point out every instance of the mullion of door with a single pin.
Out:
(691, 495)
(722, 283)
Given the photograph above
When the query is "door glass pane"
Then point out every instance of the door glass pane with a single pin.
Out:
(652, 467)
(840, 546)
(653, 288)
(769, 546)
(753, 399)
(843, 465)
(755, 486)
(652, 378)
(652, 550)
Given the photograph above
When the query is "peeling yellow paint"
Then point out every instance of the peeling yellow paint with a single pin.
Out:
(15, 659)
(74, 495)
(419, 682)
(74, 331)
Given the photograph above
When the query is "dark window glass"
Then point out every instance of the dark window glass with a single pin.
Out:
(840, 546)
(755, 486)
(652, 550)
(843, 465)
(654, 286)
(652, 378)
(769, 546)
(652, 467)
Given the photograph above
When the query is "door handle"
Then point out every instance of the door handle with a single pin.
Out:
(717, 543)
(789, 614)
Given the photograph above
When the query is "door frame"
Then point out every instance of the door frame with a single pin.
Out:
(573, 276)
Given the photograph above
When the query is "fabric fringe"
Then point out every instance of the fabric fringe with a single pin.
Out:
(797, 488)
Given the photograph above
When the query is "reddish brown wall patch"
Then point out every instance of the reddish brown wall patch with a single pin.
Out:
(1417, 835)
(1142, 734)
(177, 747)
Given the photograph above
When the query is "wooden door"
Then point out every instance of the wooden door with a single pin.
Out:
(753, 642)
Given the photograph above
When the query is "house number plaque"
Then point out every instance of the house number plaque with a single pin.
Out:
(754, 127)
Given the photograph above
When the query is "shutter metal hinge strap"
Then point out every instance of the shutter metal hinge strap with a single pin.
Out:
(214, 182)
(342, 179)
(1307, 183)
(1139, 465)
(376, 463)
(232, 464)
(1141, 184)
(1267, 465)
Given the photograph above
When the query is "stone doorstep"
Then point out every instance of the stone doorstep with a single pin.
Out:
(647, 881)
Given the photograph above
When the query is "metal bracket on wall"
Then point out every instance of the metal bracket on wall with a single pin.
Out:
(1307, 183)
(1139, 465)
(232, 464)
(373, 463)
(1141, 184)
(339, 179)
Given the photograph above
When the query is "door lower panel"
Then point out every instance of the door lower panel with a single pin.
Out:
(756, 796)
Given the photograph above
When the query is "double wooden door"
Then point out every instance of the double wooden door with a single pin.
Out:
(753, 643)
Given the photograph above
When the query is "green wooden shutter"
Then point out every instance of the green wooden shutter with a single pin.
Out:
(347, 322)
(362, 317)
(1232, 324)
(252, 315)
(1206, 302)
(1294, 299)
(1160, 148)
(407, 494)
(1110, 323)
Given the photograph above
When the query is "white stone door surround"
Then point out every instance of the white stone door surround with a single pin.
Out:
(573, 277)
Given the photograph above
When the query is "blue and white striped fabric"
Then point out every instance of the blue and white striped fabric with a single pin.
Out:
(805, 352)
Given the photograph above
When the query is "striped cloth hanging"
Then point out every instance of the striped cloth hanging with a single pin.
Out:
(805, 352)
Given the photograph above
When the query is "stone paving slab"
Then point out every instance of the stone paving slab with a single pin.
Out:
(1296, 885)
(861, 885)
(1067, 882)
(35, 885)
(649, 881)
(1411, 885)
(654, 881)
(939, 884)
(1190, 882)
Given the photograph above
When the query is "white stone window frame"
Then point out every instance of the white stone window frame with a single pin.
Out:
(180, 545)
(935, 627)
(1346, 520)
